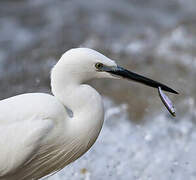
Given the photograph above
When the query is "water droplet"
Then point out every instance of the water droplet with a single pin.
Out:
(148, 137)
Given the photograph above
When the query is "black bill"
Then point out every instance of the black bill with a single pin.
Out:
(119, 71)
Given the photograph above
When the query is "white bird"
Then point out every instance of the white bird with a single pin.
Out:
(42, 133)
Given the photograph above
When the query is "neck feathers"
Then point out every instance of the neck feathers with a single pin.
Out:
(83, 100)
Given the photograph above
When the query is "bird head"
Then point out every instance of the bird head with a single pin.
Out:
(83, 64)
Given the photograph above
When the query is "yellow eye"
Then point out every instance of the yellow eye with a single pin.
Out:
(98, 65)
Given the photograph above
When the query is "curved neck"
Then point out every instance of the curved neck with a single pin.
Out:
(83, 100)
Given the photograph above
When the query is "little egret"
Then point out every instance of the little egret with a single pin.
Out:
(42, 133)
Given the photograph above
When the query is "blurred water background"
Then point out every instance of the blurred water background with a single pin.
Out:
(156, 38)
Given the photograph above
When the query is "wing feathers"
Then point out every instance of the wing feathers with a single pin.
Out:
(19, 141)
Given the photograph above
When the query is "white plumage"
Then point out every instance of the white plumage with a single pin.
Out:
(38, 136)
(42, 133)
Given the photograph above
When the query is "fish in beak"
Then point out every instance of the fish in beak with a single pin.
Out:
(124, 73)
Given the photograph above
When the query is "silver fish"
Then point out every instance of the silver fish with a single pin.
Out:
(167, 102)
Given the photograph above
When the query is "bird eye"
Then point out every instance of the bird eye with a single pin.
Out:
(98, 65)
